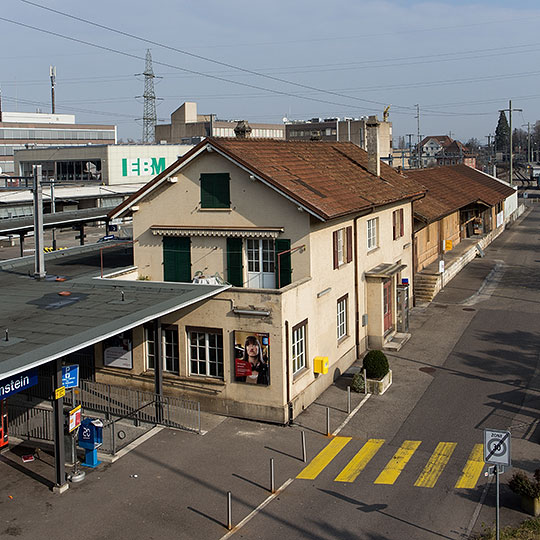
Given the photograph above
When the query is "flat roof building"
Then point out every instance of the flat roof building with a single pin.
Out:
(188, 127)
(22, 130)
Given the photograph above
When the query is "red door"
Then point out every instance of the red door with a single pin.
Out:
(3, 423)
(387, 305)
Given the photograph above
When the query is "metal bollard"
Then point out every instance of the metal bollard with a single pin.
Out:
(348, 400)
(365, 381)
(229, 510)
(328, 421)
(272, 483)
(304, 455)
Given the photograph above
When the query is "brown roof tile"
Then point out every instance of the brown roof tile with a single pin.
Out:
(453, 187)
(329, 178)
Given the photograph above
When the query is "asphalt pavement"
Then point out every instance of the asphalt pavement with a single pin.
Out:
(472, 362)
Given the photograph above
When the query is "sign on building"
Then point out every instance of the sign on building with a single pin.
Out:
(70, 376)
(143, 166)
(18, 383)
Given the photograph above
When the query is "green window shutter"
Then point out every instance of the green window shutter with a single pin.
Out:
(234, 262)
(215, 190)
(285, 267)
(176, 258)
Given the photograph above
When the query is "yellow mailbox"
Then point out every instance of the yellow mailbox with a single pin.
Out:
(320, 364)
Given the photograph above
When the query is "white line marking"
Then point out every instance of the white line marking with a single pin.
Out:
(477, 510)
(257, 510)
(346, 421)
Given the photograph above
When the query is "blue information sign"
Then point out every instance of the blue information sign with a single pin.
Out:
(18, 383)
(70, 376)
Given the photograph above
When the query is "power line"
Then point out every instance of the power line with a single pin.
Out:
(222, 79)
(200, 57)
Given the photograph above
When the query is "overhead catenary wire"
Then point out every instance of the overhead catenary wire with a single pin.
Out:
(222, 79)
(200, 57)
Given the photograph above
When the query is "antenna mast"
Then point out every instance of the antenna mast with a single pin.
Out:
(149, 113)
(52, 72)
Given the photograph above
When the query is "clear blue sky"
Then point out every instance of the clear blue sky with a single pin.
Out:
(459, 61)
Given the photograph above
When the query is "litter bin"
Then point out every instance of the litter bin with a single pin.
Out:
(91, 438)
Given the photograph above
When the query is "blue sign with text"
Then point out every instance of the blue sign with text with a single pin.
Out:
(70, 376)
(18, 383)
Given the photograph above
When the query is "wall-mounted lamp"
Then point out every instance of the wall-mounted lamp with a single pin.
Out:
(252, 178)
(251, 312)
(135, 208)
(172, 179)
(322, 293)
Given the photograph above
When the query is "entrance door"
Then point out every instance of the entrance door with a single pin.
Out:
(261, 263)
(387, 305)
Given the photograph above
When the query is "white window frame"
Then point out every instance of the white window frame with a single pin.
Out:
(299, 346)
(169, 348)
(342, 317)
(372, 233)
(340, 247)
(208, 347)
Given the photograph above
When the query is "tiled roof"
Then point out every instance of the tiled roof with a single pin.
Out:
(330, 178)
(453, 187)
(443, 140)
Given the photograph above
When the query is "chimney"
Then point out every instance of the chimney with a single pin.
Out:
(374, 155)
(242, 129)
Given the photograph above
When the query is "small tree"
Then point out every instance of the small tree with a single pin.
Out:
(376, 364)
(521, 484)
(502, 134)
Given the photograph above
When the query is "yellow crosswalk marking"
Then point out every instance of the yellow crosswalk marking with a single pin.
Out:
(358, 462)
(323, 458)
(436, 464)
(391, 472)
(473, 469)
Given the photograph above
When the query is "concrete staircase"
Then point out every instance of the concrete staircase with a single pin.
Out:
(426, 286)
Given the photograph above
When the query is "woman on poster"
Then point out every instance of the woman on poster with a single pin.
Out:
(253, 353)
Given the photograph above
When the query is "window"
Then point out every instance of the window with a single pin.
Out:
(206, 352)
(342, 240)
(215, 190)
(169, 348)
(372, 226)
(299, 347)
(342, 317)
(397, 223)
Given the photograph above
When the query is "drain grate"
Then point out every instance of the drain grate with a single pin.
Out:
(469, 309)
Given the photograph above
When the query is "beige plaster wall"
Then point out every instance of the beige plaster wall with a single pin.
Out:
(253, 205)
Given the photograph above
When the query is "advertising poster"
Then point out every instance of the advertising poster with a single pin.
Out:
(117, 351)
(252, 358)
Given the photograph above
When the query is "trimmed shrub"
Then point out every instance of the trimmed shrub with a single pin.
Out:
(376, 365)
(357, 384)
(521, 484)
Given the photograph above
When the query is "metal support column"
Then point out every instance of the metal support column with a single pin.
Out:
(21, 242)
(81, 234)
(59, 451)
(158, 369)
(38, 225)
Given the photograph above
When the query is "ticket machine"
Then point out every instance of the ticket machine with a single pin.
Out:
(3, 423)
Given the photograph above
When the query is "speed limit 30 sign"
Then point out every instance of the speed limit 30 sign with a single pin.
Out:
(497, 447)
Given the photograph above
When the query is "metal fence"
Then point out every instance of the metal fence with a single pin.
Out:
(31, 422)
(138, 405)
